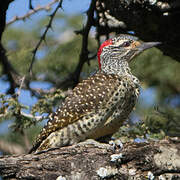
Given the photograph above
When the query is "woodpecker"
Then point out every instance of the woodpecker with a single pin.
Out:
(99, 105)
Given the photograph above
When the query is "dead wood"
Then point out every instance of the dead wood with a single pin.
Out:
(92, 160)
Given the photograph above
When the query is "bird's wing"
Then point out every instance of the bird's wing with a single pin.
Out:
(87, 97)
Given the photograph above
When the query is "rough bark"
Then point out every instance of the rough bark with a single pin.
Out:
(92, 160)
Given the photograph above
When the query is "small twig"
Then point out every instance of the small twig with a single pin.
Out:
(79, 31)
(21, 85)
(37, 118)
(31, 12)
(44, 35)
(92, 57)
(30, 4)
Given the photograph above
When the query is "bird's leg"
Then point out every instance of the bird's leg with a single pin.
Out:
(109, 139)
(116, 143)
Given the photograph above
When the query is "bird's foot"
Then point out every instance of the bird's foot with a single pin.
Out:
(116, 144)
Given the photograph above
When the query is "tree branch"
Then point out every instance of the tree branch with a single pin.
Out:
(12, 76)
(83, 57)
(30, 4)
(92, 160)
(8, 69)
(3, 8)
(29, 116)
(44, 35)
(31, 12)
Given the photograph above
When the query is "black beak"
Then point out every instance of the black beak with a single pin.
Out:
(147, 45)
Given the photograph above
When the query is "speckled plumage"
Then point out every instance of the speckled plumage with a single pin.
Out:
(98, 105)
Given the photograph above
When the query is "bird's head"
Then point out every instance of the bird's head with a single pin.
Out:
(117, 52)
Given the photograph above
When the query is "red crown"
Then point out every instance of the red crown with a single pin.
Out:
(105, 43)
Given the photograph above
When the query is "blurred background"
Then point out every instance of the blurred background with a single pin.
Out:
(57, 69)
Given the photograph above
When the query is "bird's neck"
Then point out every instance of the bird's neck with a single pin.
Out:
(116, 66)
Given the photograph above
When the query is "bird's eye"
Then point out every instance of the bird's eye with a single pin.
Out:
(126, 44)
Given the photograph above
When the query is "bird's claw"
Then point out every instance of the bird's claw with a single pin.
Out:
(116, 144)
